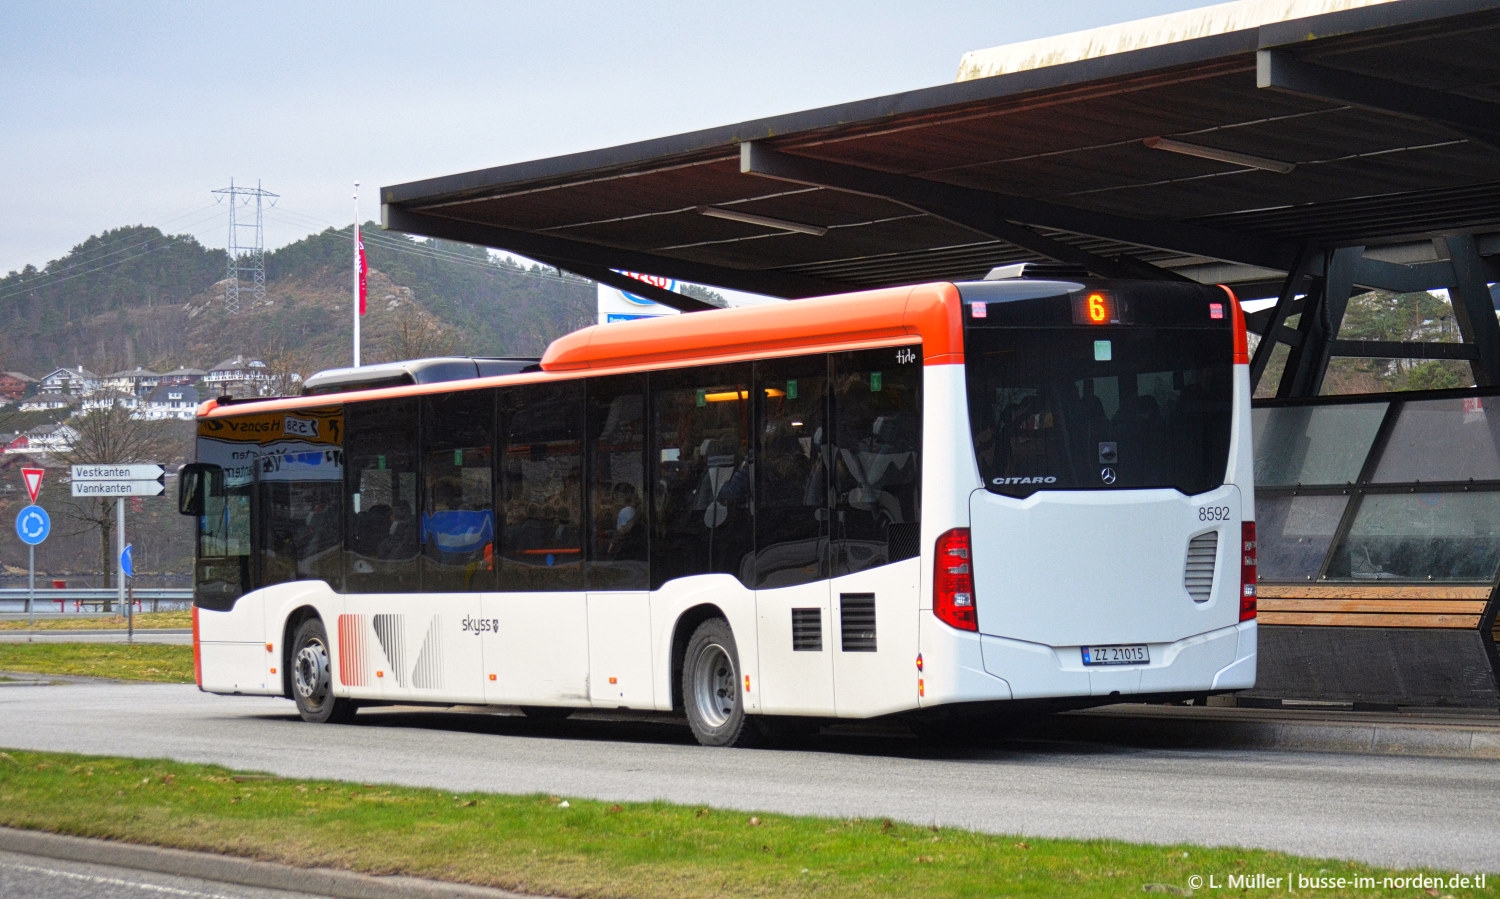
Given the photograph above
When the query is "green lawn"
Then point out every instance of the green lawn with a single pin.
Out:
(158, 662)
(143, 621)
(584, 848)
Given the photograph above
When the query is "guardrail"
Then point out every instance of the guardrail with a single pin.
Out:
(77, 599)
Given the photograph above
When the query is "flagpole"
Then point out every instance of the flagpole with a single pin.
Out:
(355, 295)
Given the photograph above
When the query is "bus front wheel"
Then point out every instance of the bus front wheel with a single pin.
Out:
(711, 688)
(312, 677)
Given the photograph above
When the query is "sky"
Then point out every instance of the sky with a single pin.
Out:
(116, 114)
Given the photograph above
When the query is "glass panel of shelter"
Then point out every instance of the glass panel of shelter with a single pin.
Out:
(1390, 526)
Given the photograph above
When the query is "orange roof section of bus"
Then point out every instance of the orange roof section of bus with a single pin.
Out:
(872, 318)
(1241, 335)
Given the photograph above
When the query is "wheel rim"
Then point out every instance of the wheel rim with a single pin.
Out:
(714, 688)
(311, 672)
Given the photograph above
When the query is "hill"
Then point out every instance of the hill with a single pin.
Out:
(134, 296)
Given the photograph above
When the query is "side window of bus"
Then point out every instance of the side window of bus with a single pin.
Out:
(617, 484)
(876, 456)
(456, 526)
(702, 472)
(541, 487)
(792, 465)
(380, 529)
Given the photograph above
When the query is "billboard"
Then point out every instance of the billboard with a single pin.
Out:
(618, 306)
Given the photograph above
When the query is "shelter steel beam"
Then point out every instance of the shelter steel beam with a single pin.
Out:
(1474, 119)
(1474, 309)
(563, 253)
(1403, 349)
(1276, 324)
(994, 214)
(1322, 314)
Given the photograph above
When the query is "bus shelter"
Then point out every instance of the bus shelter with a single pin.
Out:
(1305, 160)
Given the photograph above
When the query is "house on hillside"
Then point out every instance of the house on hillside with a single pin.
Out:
(15, 384)
(50, 439)
(44, 402)
(239, 374)
(138, 381)
(108, 398)
(169, 402)
(70, 382)
(181, 377)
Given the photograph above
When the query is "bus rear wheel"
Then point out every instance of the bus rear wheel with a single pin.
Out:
(711, 688)
(312, 678)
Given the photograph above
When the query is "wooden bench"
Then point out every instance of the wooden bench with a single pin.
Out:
(1374, 605)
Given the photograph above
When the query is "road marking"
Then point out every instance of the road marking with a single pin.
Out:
(115, 882)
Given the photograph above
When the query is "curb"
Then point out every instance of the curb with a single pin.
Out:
(239, 871)
(1216, 729)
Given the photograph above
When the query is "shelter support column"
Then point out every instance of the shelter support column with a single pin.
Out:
(1473, 308)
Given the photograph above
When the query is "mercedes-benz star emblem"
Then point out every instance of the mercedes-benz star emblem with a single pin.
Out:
(1107, 475)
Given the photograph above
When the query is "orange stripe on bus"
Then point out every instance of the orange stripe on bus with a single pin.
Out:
(930, 312)
(1241, 335)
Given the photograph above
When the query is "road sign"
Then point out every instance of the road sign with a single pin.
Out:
(118, 488)
(146, 479)
(146, 472)
(127, 563)
(33, 479)
(33, 525)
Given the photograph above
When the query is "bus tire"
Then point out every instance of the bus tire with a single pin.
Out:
(711, 688)
(312, 678)
(546, 712)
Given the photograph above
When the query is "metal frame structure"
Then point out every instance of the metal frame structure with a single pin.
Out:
(1305, 160)
(247, 257)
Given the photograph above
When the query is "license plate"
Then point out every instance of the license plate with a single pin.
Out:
(1116, 655)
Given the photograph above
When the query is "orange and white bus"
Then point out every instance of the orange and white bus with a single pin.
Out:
(948, 497)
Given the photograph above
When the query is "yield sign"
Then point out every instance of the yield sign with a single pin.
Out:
(33, 478)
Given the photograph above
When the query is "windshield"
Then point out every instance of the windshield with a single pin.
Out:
(1100, 408)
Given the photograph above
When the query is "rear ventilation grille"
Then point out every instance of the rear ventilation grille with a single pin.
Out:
(807, 630)
(1198, 576)
(857, 622)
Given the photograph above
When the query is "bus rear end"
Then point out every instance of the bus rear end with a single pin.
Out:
(1109, 548)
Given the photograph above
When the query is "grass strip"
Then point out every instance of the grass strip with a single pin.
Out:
(143, 621)
(585, 848)
(156, 662)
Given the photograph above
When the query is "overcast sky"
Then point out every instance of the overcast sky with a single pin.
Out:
(116, 114)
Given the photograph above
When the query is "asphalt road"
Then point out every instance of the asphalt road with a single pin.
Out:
(31, 877)
(1386, 810)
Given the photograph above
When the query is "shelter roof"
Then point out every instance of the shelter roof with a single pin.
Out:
(1370, 126)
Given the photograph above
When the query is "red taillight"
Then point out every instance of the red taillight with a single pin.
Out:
(1247, 570)
(953, 581)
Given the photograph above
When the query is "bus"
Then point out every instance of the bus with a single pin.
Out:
(944, 498)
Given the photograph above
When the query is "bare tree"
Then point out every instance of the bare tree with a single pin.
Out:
(417, 335)
(286, 366)
(109, 436)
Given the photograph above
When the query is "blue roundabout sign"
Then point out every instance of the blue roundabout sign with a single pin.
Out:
(33, 525)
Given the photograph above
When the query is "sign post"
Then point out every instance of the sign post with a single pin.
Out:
(120, 481)
(32, 526)
(32, 477)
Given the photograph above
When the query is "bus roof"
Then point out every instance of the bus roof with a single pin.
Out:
(885, 317)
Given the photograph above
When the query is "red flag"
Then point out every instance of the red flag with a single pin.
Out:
(360, 242)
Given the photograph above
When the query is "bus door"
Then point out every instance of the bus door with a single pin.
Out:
(789, 569)
(875, 473)
(539, 655)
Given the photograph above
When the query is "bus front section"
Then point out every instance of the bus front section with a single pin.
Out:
(1104, 548)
